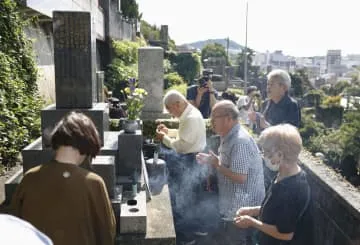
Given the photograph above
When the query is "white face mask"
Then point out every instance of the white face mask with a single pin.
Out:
(272, 167)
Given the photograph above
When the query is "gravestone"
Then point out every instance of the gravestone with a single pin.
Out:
(120, 161)
(75, 73)
(74, 59)
(151, 78)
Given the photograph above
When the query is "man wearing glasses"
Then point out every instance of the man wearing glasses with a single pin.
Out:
(280, 107)
(239, 171)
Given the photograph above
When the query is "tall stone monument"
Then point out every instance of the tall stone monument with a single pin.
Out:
(75, 73)
(151, 78)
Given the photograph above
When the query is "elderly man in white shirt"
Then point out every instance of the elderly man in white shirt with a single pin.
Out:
(191, 137)
(185, 175)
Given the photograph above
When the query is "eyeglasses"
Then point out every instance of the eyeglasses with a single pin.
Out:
(267, 153)
(218, 116)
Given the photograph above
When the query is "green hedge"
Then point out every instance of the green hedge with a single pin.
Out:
(20, 102)
(124, 65)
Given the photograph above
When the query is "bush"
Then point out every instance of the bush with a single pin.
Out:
(332, 101)
(310, 128)
(123, 66)
(167, 66)
(173, 79)
(186, 65)
(181, 88)
(20, 102)
(149, 32)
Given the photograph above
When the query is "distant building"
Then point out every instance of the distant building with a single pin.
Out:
(333, 62)
(280, 61)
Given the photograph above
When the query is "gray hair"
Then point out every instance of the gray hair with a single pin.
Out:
(284, 138)
(280, 76)
(173, 96)
(228, 108)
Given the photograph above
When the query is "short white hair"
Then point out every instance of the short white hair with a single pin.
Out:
(284, 138)
(173, 96)
(228, 108)
(280, 76)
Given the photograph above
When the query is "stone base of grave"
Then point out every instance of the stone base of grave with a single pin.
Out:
(99, 114)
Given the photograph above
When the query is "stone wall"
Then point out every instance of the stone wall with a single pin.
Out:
(336, 204)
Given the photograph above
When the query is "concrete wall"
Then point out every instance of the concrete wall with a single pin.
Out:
(107, 21)
(119, 28)
(336, 204)
(42, 37)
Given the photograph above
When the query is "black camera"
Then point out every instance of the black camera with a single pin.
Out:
(203, 81)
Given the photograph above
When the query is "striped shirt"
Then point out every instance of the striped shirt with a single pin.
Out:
(238, 151)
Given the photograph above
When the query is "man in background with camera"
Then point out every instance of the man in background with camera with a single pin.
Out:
(203, 95)
(245, 104)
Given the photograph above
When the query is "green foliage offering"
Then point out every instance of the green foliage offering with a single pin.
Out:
(186, 64)
(173, 79)
(20, 103)
(135, 102)
(130, 9)
(149, 129)
(181, 88)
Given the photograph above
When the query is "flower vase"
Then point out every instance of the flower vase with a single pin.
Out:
(130, 126)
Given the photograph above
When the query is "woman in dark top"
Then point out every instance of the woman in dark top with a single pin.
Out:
(63, 200)
(283, 214)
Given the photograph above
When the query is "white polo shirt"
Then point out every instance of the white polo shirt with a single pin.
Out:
(191, 137)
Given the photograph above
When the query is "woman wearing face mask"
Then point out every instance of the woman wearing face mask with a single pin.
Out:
(283, 217)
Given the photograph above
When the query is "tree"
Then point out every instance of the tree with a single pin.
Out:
(300, 82)
(186, 64)
(213, 50)
(240, 61)
(130, 9)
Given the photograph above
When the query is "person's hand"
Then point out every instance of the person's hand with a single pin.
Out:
(244, 221)
(210, 86)
(162, 128)
(252, 116)
(245, 211)
(211, 158)
(160, 135)
(202, 90)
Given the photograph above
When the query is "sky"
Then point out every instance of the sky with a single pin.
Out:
(298, 27)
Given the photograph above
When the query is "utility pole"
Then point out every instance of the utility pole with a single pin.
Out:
(245, 53)
(227, 48)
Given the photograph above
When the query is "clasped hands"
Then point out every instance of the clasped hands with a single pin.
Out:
(161, 131)
(211, 158)
(207, 88)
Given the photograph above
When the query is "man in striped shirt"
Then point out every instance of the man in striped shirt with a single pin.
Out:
(239, 171)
